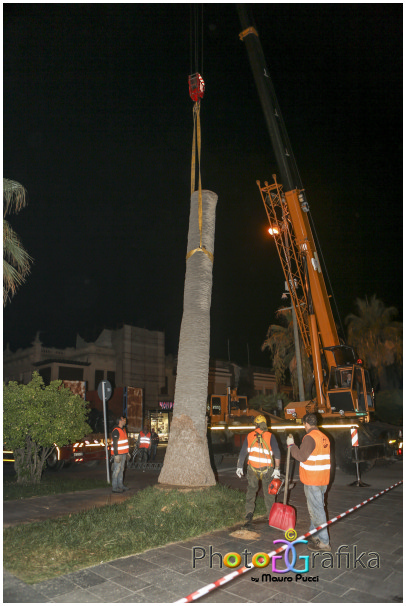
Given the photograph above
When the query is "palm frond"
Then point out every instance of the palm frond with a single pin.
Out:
(16, 262)
(14, 196)
(374, 334)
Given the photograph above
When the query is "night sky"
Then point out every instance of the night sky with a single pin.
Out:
(98, 128)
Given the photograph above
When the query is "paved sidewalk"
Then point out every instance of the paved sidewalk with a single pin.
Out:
(368, 570)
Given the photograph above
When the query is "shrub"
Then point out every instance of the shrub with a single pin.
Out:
(35, 418)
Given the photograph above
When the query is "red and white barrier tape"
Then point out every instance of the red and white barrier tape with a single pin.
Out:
(236, 573)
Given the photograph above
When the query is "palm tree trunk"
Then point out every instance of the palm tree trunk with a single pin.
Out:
(187, 461)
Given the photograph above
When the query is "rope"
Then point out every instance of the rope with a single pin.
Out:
(197, 141)
(208, 588)
(194, 33)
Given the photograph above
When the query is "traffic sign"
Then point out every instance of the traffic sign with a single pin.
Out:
(108, 390)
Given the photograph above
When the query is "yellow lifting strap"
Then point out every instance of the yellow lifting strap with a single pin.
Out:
(197, 135)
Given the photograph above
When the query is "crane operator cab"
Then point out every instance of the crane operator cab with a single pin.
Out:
(349, 387)
(221, 408)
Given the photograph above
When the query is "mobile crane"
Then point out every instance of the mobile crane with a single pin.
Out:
(230, 419)
(344, 395)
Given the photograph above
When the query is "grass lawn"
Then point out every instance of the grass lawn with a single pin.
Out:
(50, 484)
(151, 518)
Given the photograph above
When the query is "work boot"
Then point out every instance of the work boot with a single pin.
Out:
(248, 520)
(317, 545)
(116, 490)
(124, 488)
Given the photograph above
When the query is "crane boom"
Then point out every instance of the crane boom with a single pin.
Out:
(288, 213)
(317, 326)
(273, 115)
(343, 389)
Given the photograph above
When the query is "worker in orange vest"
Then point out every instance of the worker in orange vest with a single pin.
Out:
(120, 451)
(263, 464)
(144, 444)
(314, 473)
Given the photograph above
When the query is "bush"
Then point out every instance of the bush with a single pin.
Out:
(35, 417)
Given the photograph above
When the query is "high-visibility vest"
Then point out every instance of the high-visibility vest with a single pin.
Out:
(122, 445)
(145, 440)
(259, 455)
(316, 470)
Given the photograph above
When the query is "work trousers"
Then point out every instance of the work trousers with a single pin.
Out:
(118, 471)
(144, 456)
(253, 484)
(315, 505)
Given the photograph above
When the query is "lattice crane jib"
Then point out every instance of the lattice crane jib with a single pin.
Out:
(300, 264)
(278, 215)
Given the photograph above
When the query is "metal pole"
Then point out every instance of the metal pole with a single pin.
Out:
(298, 355)
(354, 443)
(297, 344)
(357, 462)
(105, 432)
(358, 482)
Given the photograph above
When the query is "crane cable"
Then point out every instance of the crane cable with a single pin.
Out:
(197, 143)
(194, 44)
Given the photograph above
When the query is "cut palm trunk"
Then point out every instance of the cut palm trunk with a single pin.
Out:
(187, 460)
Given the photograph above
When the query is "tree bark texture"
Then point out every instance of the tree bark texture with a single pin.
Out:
(187, 461)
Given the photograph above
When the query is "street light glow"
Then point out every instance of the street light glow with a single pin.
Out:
(273, 230)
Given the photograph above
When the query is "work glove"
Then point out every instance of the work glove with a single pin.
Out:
(240, 472)
(276, 474)
(289, 440)
(128, 456)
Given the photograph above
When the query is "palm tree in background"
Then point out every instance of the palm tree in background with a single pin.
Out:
(376, 337)
(281, 344)
(187, 460)
(16, 260)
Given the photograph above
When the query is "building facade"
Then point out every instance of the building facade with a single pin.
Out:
(127, 357)
(131, 357)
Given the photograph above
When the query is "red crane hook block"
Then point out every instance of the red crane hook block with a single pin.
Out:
(196, 87)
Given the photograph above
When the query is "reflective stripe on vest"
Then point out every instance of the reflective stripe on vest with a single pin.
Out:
(316, 470)
(122, 444)
(259, 456)
(145, 440)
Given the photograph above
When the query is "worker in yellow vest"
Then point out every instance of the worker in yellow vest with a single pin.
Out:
(263, 464)
(314, 473)
(120, 452)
